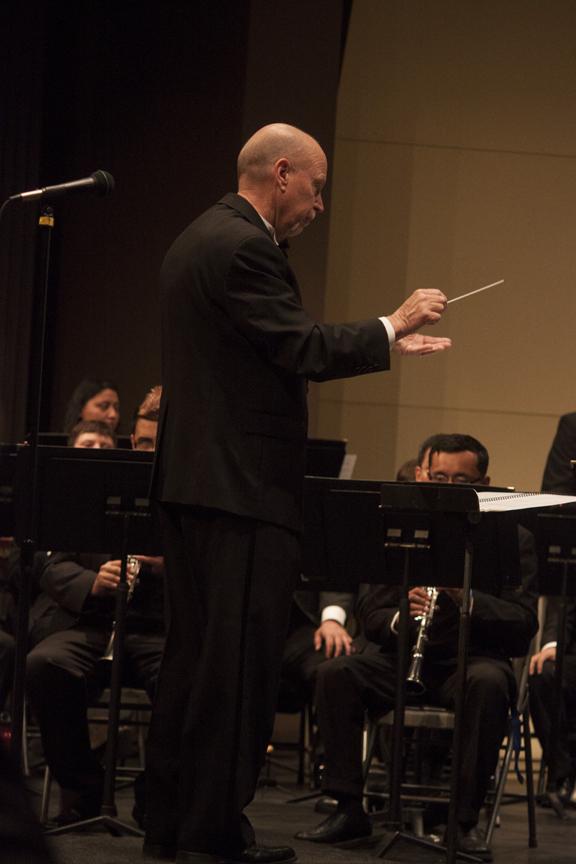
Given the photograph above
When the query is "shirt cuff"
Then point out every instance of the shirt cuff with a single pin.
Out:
(394, 622)
(389, 329)
(334, 613)
(549, 645)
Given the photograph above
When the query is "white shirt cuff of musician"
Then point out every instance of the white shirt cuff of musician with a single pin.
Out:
(334, 613)
(549, 645)
(389, 330)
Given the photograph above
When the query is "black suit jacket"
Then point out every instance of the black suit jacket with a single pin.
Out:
(551, 621)
(500, 626)
(558, 475)
(312, 603)
(65, 600)
(238, 348)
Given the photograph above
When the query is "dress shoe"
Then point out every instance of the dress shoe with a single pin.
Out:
(339, 827)
(252, 855)
(473, 842)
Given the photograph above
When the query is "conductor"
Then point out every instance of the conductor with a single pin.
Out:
(237, 351)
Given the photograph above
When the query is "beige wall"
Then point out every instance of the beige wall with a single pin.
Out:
(455, 166)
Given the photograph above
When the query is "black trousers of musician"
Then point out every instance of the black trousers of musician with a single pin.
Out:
(7, 650)
(348, 686)
(64, 672)
(541, 708)
(300, 660)
(230, 582)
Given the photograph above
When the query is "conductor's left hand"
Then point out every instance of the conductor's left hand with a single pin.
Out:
(417, 343)
(334, 637)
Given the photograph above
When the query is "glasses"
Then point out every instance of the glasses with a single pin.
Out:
(440, 477)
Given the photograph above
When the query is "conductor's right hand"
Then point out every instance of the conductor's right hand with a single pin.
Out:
(424, 306)
(107, 579)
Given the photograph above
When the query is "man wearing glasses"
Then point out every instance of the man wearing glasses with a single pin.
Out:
(501, 627)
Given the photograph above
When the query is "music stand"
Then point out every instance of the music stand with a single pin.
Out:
(409, 534)
(556, 535)
(8, 460)
(94, 501)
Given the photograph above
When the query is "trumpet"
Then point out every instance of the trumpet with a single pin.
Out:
(414, 684)
(132, 570)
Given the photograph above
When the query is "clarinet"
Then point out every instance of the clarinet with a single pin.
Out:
(414, 684)
(132, 570)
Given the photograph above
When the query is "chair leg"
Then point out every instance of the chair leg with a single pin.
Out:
(25, 761)
(46, 789)
(530, 798)
(301, 746)
(500, 783)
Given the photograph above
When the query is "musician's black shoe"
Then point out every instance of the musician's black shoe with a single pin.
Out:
(77, 806)
(252, 855)
(339, 827)
(473, 842)
(565, 791)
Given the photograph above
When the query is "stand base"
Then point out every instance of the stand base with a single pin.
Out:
(401, 846)
(111, 824)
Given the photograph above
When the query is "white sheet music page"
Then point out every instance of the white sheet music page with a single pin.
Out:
(498, 501)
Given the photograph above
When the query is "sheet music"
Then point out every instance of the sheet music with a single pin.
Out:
(498, 501)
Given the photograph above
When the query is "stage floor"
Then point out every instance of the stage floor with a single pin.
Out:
(277, 821)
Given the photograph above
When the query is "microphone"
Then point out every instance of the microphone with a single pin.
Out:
(100, 182)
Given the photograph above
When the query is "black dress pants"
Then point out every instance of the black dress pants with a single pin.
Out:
(63, 674)
(349, 686)
(7, 650)
(230, 582)
(541, 709)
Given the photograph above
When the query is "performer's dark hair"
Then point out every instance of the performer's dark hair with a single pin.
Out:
(96, 426)
(455, 443)
(149, 408)
(86, 390)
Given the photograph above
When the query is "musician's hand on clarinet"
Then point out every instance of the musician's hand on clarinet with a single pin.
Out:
(335, 639)
(107, 579)
(419, 602)
(537, 660)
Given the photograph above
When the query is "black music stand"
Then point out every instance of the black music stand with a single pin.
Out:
(94, 501)
(409, 534)
(556, 536)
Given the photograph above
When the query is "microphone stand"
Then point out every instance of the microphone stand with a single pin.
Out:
(30, 481)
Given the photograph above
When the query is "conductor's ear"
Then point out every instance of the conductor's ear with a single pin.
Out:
(282, 170)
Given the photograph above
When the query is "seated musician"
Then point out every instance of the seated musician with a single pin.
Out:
(562, 761)
(501, 627)
(92, 435)
(65, 669)
(316, 632)
(558, 474)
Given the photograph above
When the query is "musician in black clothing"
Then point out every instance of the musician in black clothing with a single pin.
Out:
(501, 627)
(73, 625)
(65, 670)
(561, 762)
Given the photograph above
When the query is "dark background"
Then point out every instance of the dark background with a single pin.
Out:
(162, 95)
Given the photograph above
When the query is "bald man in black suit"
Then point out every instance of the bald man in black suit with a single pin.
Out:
(238, 349)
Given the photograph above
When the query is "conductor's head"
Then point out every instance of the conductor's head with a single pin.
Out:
(282, 172)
